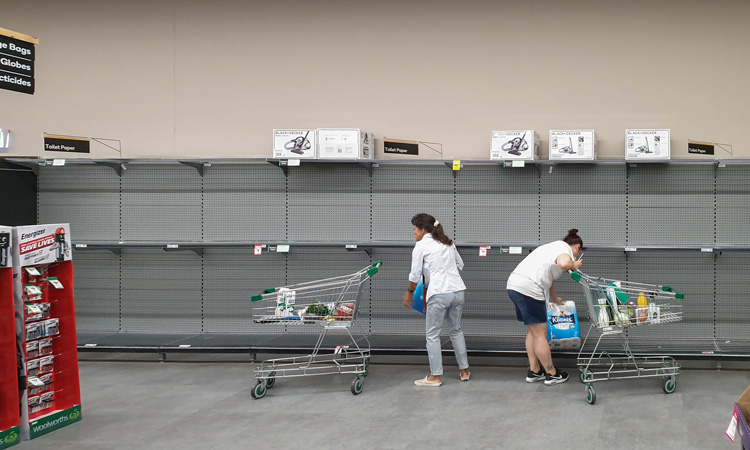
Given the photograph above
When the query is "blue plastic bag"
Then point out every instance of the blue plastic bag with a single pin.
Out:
(417, 302)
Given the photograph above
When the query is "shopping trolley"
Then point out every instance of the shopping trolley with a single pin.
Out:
(332, 303)
(613, 307)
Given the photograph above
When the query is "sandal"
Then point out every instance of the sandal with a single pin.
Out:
(465, 378)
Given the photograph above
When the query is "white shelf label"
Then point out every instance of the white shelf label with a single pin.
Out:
(282, 248)
(173, 246)
(34, 381)
(89, 345)
(515, 250)
(55, 282)
(707, 250)
(518, 164)
(257, 250)
(185, 345)
(81, 245)
(483, 250)
(351, 245)
(293, 162)
(58, 162)
(631, 249)
(32, 271)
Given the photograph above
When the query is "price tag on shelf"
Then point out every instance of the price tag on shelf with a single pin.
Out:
(456, 164)
(34, 381)
(351, 246)
(58, 162)
(173, 246)
(282, 248)
(90, 345)
(185, 346)
(81, 245)
(55, 282)
(483, 250)
(32, 271)
(518, 163)
(515, 250)
(257, 249)
(293, 162)
(631, 249)
(707, 250)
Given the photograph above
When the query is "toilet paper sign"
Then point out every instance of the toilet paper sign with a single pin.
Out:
(43, 244)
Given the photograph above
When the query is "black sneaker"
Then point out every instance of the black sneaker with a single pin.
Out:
(561, 377)
(532, 377)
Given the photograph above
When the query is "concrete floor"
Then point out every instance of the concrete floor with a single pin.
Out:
(151, 405)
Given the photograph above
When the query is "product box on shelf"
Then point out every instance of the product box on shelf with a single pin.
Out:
(647, 145)
(345, 143)
(572, 144)
(43, 269)
(10, 357)
(514, 145)
(294, 144)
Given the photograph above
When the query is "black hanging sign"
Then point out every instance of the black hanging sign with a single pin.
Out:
(66, 144)
(400, 147)
(701, 148)
(16, 63)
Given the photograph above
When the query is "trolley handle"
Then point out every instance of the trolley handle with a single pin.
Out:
(259, 297)
(374, 268)
(677, 295)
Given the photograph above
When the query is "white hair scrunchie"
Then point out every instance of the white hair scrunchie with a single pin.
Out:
(437, 222)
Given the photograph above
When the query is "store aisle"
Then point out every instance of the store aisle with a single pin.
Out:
(143, 405)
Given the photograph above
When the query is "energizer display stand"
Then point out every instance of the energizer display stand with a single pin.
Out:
(10, 359)
(43, 270)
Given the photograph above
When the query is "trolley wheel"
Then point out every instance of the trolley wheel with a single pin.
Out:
(357, 385)
(271, 380)
(670, 384)
(259, 391)
(590, 395)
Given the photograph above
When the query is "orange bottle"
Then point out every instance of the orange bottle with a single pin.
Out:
(642, 307)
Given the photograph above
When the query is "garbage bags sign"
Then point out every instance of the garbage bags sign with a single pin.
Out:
(16, 62)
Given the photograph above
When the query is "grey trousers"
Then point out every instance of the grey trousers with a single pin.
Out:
(440, 307)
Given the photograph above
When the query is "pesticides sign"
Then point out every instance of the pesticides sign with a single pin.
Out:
(43, 244)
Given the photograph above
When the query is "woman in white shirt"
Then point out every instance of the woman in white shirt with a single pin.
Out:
(529, 285)
(435, 257)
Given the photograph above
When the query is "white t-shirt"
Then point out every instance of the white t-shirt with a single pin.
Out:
(439, 263)
(534, 275)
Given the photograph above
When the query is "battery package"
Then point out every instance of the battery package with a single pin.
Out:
(647, 145)
(345, 143)
(514, 145)
(572, 144)
(294, 144)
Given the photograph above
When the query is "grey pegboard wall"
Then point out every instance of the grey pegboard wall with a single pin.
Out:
(496, 204)
(87, 197)
(243, 201)
(183, 292)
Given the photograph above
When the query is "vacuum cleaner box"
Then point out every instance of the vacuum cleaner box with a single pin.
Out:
(743, 405)
(296, 144)
(345, 143)
(647, 145)
(516, 144)
(572, 144)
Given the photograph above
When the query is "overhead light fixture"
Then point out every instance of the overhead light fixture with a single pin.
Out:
(4, 139)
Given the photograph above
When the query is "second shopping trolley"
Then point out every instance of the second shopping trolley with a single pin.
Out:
(331, 303)
(614, 306)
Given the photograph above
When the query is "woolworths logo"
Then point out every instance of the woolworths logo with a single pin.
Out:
(53, 423)
(11, 437)
(74, 415)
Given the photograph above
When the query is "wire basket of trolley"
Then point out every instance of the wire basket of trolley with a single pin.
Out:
(614, 306)
(333, 304)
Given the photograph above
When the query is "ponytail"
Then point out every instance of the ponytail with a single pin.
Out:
(429, 224)
(572, 238)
